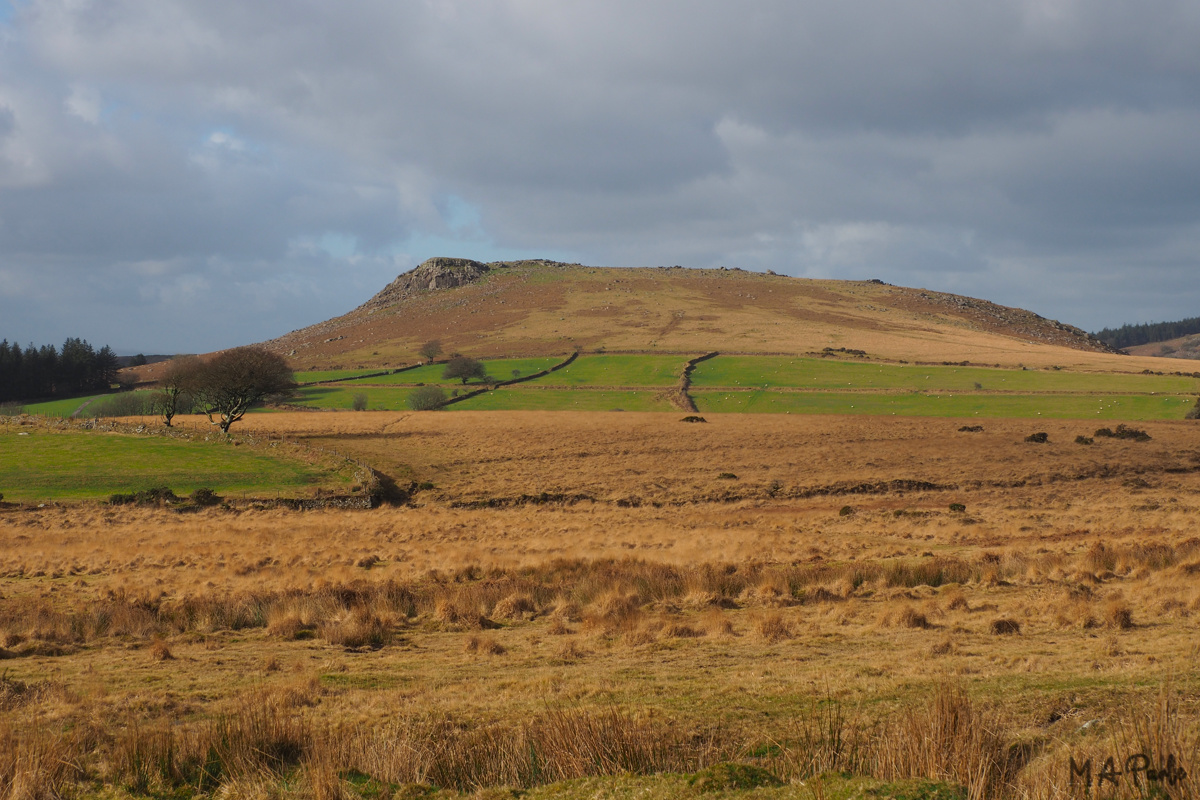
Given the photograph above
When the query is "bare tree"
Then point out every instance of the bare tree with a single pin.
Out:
(464, 368)
(172, 389)
(430, 350)
(232, 382)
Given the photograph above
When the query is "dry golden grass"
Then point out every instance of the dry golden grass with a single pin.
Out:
(437, 643)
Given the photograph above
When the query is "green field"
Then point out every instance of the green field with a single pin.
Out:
(333, 374)
(51, 465)
(647, 370)
(1048, 406)
(59, 408)
(517, 399)
(387, 398)
(769, 384)
(817, 373)
(500, 369)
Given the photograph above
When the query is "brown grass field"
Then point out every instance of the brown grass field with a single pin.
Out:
(571, 601)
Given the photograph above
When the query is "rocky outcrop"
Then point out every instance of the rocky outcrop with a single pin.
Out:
(1014, 322)
(434, 273)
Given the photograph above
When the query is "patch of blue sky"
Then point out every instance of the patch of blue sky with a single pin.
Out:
(339, 245)
(465, 237)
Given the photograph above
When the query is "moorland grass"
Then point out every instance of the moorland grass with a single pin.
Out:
(36, 465)
(1048, 406)
(343, 654)
(816, 373)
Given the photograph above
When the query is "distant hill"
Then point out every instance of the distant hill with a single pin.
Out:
(539, 308)
(1179, 347)
(1170, 339)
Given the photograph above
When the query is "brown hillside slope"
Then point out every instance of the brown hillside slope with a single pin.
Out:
(1187, 347)
(545, 308)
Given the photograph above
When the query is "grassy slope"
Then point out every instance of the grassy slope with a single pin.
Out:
(44, 465)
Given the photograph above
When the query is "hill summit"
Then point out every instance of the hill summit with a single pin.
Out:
(541, 307)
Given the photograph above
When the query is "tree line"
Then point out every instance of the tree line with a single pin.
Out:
(35, 373)
(1148, 333)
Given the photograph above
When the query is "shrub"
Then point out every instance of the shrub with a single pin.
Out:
(11, 409)
(1004, 627)
(1194, 413)
(359, 403)
(958, 507)
(1038, 438)
(727, 476)
(427, 398)
(693, 418)
(971, 429)
(846, 511)
(205, 497)
(158, 495)
(1081, 439)
(1123, 432)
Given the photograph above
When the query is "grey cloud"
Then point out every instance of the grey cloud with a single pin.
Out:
(983, 148)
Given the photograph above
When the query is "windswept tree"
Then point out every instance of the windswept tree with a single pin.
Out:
(172, 395)
(231, 383)
(464, 368)
(430, 350)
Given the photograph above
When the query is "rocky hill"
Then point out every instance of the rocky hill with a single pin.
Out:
(540, 307)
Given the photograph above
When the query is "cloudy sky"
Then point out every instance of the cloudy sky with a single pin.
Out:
(184, 175)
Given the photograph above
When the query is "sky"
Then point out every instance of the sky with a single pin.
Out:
(187, 175)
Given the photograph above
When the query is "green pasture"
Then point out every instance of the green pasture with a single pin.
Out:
(817, 373)
(60, 408)
(316, 376)
(1048, 406)
(52, 465)
(636, 370)
(518, 399)
(379, 398)
(500, 369)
